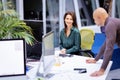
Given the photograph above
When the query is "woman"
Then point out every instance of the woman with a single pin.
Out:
(70, 39)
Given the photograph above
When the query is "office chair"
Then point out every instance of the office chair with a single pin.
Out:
(87, 40)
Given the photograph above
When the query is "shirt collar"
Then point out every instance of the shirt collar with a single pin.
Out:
(106, 21)
(72, 28)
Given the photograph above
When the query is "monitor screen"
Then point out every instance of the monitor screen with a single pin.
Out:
(47, 52)
(48, 44)
(12, 57)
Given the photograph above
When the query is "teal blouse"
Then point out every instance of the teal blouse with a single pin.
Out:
(72, 42)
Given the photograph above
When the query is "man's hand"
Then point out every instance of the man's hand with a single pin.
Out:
(98, 73)
(90, 61)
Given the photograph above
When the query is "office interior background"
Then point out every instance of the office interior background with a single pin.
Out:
(46, 15)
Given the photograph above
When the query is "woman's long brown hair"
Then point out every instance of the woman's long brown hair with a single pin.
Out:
(73, 17)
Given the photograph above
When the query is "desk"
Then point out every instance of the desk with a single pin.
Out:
(65, 70)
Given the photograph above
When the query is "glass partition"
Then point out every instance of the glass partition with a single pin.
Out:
(117, 8)
(86, 8)
(52, 18)
(9, 4)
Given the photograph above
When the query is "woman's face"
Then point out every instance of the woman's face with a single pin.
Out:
(69, 20)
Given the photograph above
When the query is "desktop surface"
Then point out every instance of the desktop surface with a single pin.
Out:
(68, 64)
(65, 71)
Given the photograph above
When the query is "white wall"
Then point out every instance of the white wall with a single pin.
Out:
(95, 28)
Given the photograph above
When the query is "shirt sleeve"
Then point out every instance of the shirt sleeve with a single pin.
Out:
(110, 41)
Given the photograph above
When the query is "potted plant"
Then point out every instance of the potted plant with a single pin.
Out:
(12, 27)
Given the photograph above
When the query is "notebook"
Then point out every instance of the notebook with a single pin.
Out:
(12, 59)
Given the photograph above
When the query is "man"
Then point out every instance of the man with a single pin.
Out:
(112, 32)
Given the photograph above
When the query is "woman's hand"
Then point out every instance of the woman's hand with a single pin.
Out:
(63, 51)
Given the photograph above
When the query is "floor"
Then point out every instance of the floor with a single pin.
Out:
(114, 75)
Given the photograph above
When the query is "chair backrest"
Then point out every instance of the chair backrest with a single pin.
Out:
(87, 38)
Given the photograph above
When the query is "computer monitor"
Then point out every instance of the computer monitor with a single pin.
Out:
(47, 59)
(12, 59)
